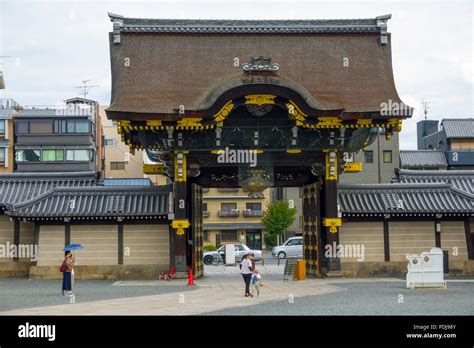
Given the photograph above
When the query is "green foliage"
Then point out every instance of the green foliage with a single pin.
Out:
(209, 248)
(270, 240)
(278, 217)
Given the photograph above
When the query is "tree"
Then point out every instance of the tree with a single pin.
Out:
(278, 217)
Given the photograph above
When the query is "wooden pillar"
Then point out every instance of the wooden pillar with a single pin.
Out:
(386, 240)
(36, 240)
(311, 229)
(469, 239)
(120, 243)
(67, 234)
(16, 238)
(332, 221)
(180, 222)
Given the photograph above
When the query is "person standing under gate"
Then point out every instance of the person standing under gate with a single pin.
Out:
(246, 269)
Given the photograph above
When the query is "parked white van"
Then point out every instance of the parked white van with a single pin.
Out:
(293, 247)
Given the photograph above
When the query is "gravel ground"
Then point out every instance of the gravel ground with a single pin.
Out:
(380, 298)
(24, 293)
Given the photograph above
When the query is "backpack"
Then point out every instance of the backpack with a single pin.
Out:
(62, 269)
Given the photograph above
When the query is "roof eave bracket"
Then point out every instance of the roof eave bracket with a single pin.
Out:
(382, 24)
(117, 26)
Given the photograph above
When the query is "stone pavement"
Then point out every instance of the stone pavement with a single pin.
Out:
(212, 293)
(222, 294)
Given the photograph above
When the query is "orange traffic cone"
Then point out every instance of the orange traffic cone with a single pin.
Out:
(190, 277)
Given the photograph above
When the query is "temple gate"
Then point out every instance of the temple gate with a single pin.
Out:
(253, 104)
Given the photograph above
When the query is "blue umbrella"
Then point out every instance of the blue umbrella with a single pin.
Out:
(73, 247)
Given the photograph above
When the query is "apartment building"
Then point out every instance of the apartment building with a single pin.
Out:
(60, 139)
(453, 137)
(379, 160)
(119, 162)
(230, 216)
(8, 109)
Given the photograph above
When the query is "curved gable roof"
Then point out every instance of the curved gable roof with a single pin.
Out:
(343, 64)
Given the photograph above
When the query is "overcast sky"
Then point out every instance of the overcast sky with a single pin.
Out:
(54, 45)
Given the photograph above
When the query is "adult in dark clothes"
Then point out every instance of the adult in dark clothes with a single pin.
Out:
(246, 269)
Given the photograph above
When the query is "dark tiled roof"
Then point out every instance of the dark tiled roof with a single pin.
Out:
(422, 159)
(233, 226)
(147, 25)
(404, 199)
(195, 73)
(461, 179)
(459, 128)
(95, 202)
(20, 187)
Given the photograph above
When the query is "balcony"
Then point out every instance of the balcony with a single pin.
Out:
(229, 213)
(252, 213)
(206, 213)
(228, 189)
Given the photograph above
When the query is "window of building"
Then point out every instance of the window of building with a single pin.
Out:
(2, 126)
(206, 236)
(253, 206)
(56, 126)
(228, 206)
(228, 236)
(41, 127)
(387, 156)
(71, 127)
(109, 142)
(369, 156)
(2, 155)
(204, 207)
(28, 155)
(22, 128)
(77, 155)
(117, 165)
(52, 155)
(75, 126)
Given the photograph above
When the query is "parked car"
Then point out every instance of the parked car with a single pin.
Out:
(240, 251)
(293, 247)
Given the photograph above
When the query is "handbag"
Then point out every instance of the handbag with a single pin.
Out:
(62, 269)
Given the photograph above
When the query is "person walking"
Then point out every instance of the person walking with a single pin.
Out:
(246, 269)
(256, 282)
(67, 268)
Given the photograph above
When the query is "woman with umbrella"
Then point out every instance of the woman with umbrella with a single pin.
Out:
(67, 267)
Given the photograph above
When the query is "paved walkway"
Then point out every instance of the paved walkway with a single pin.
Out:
(212, 293)
(222, 294)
